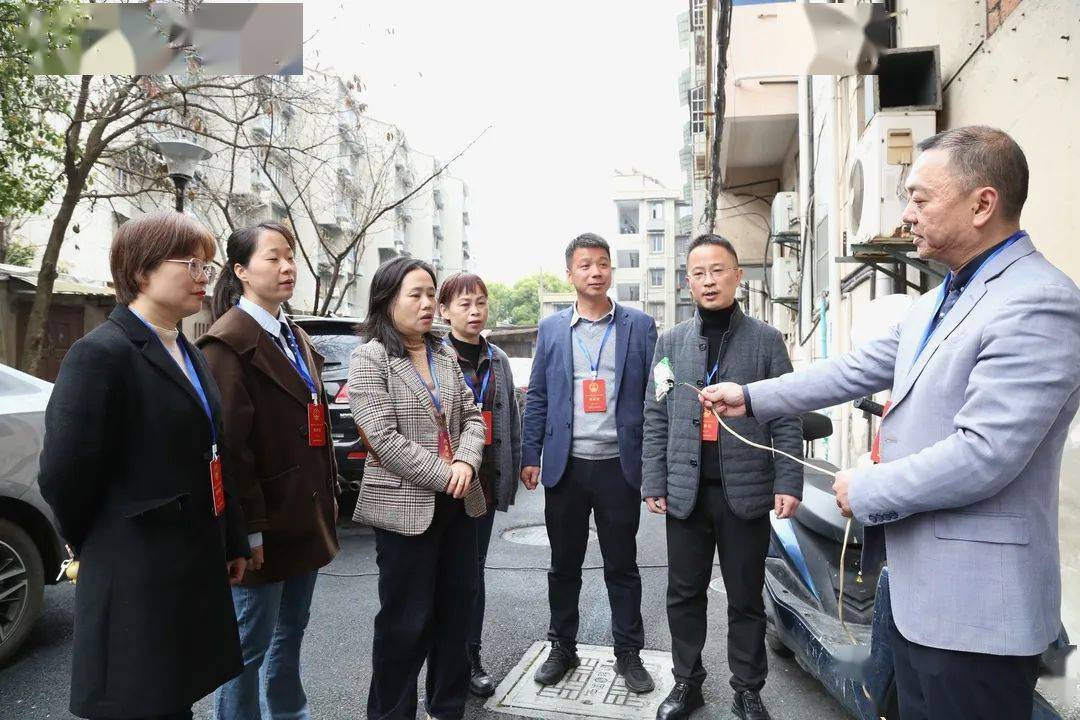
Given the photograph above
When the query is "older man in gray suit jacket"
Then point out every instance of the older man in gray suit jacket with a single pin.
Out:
(984, 375)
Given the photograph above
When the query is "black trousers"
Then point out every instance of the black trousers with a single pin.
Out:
(742, 546)
(595, 486)
(934, 684)
(427, 587)
(483, 540)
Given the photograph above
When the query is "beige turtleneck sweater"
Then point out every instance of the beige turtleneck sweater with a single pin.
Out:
(418, 357)
(169, 340)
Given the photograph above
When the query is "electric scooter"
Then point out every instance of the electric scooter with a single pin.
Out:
(847, 652)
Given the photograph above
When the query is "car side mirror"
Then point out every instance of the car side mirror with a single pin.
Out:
(816, 426)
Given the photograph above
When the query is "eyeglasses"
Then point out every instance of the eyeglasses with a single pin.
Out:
(699, 275)
(197, 268)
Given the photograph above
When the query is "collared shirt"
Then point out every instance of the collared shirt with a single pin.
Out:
(963, 276)
(595, 436)
(574, 316)
(268, 323)
(271, 325)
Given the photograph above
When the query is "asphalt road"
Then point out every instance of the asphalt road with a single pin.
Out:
(337, 648)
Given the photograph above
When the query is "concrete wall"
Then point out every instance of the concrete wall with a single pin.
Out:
(1012, 81)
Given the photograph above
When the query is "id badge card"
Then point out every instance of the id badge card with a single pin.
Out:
(488, 429)
(217, 488)
(710, 428)
(446, 452)
(316, 420)
(594, 394)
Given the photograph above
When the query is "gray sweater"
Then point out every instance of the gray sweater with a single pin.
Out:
(671, 455)
(506, 436)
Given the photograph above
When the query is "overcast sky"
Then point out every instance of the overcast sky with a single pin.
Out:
(572, 90)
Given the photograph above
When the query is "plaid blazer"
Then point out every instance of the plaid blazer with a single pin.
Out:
(394, 413)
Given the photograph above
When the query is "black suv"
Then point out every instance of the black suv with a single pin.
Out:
(335, 339)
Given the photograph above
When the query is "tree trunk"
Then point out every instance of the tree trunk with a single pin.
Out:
(34, 342)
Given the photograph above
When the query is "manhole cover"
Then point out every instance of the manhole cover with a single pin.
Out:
(534, 535)
(592, 690)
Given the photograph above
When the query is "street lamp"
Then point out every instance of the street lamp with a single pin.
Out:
(181, 157)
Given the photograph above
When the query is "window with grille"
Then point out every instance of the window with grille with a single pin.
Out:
(656, 277)
(697, 16)
(697, 109)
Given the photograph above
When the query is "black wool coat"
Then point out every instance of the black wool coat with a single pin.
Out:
(125, 468)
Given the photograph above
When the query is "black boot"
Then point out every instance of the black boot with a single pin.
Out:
(562, 658)
(480, 683)
(747, 705)
(680, 702)
(637, 678)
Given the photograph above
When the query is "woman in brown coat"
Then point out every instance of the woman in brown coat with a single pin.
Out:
(281, 458)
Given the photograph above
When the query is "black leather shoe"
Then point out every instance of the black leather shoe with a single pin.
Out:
(747, 705)
(680, 702)
(562, 658)
(637, 678)
(480, 683)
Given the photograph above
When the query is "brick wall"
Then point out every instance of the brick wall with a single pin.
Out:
(997, 11)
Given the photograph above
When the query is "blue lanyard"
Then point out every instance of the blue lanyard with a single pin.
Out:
(436, 394)
(193, 377)
(299, 365)
(197, 383)
(594, 367)
(487, 377)
(713, 373)
(933, 324)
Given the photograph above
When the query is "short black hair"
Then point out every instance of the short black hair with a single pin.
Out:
(712, 239)
(385, 285)
(982, 156)
(586, 240)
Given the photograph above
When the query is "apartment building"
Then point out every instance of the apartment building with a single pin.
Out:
(649, 248)
(353, 169)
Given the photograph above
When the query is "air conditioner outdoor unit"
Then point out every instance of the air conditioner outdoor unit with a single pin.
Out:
(784, 278)
(785, 214)
(878, 171)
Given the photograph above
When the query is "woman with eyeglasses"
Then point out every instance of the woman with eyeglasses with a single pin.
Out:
(132, 468)
(281, 456)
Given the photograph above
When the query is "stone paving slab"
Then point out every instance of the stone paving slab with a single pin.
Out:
(592, 690)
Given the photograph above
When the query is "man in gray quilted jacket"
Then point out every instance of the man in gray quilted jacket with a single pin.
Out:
(715, 491)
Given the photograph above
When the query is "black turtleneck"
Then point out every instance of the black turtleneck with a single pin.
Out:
(714, 326)
(467, 350)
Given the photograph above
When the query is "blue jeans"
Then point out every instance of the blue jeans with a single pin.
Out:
(272, 620)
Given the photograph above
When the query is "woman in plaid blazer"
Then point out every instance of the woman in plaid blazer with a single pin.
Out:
(425, 439)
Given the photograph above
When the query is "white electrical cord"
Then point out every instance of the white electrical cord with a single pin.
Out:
(847, 527)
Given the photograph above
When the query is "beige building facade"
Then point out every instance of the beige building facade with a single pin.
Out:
(838, 148)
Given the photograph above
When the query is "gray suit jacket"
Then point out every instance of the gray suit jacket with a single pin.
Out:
(967, 488)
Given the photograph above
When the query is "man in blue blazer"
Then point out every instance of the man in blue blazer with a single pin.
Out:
(584, 414)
